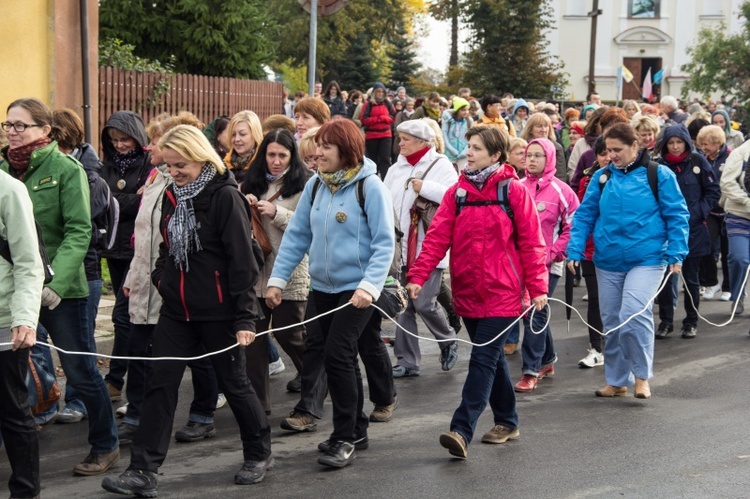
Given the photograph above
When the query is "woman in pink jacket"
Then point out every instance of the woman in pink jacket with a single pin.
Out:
(487, 220)
(555, 202)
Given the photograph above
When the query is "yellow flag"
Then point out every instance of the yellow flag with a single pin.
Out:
(627, 75)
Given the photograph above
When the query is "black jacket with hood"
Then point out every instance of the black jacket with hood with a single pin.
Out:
(220, 282)
(86, 155)
(127, 196)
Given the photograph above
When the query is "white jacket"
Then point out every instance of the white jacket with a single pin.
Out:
(436, 183)
(734, 199)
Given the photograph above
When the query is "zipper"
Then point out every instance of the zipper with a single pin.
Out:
(182, 295)
(218, 287)
(325, 243)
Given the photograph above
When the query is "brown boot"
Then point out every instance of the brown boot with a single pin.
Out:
(612, 391)
(642, 390)
(96, 464)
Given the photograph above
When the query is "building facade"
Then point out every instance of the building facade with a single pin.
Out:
(641, 35)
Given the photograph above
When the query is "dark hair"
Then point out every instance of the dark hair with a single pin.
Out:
(593, 125)
(332, 84)
(355, 94)
(622, 132)
(67, 129)
(489, 100)
(40, 113)
(347, 137)
(695, 126)
(600, 146)
(293, 181)
(495, 140)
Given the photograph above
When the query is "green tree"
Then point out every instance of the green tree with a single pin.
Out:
(449, 10)
(720, 62)
(226, 38)
(508, 51)
(403, 58)
(357, 69)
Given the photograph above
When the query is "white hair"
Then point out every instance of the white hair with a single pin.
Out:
(669, 101)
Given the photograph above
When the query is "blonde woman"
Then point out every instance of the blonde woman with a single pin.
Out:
(245, 133)
(631, 107)
(539, 126)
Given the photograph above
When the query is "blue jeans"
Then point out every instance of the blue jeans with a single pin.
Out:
(629, 351)
(92, 309)
(537, 349)
(738, 235)
(48, 365)
(488, 379)
(68, 327)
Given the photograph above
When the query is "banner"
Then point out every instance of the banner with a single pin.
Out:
(647, 89)
(626, 74)
(658, 76)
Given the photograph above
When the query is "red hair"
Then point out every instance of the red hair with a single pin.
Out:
(347, 137)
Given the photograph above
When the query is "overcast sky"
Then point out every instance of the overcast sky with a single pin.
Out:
(435, 49)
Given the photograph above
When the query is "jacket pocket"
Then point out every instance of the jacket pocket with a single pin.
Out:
(219, 293)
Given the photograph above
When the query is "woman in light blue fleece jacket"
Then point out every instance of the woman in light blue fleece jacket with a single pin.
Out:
(348, 233)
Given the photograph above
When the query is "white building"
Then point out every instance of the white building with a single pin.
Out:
(639, 34)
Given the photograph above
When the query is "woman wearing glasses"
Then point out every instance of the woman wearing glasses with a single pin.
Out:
(126, 166)
(555, 203)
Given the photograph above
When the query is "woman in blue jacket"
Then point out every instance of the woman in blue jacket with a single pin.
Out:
(350, 250)
(701, 190)
(637, 233)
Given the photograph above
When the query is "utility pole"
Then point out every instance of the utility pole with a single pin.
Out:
(594, 14)
(313, 47)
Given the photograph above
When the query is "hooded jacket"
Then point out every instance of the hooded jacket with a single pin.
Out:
(735, 200)
(347, 250)
(488, 275)
(499, 122)
(86, 155)
(131, 124)
(699, 187)
(517, 122)
(376, 118)
(556, 203)
(630, 227)
(454, 136)
(734, 137)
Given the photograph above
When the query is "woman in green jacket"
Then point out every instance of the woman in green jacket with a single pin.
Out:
(59, 192)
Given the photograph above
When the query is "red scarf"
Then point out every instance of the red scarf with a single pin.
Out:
(676, 160)
(20, 157)
(413, 159)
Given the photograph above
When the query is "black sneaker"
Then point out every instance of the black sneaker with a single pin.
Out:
(689, 332)
(664, 330)
(137, 483)
(339, 454)
(449, 357)
(192, 432)
(360, 443)
(253, 471)
(295, 385)
(126, 433)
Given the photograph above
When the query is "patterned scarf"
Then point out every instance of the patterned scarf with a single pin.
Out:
(273, 178)
(182, 227)
(240, 162)
(479, 177)
(125, 161)
(20, 157)
(339, 178)
(432, 112)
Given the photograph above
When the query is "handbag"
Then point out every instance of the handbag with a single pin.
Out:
(424, 208)
(43, 390)
(260, 233)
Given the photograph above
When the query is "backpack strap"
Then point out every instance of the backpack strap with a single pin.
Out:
(503, 199)
(361, 196)
(315, 188)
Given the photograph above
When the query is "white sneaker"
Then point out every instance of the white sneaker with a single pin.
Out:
(726, 296)
(221, 401)
(585, 297)
(711, 291)
(593, 359)
(276, 367)
(702, 290)
(122, 410)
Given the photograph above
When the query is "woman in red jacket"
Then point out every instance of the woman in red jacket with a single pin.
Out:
(377, 116)
(487, 237)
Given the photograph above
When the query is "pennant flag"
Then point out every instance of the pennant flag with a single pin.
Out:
(626, 74)
(658, 76)
(647, 90)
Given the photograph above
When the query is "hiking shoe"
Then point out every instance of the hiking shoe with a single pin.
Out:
(253, 471)
(299, 421)
(276, 367)
(726, 296)
(663, 331)
(528, 383)
(711, 292)
(115, 394)
(455, 443)
(740, 308)
(122, 410)
(689, 332)
(383, 413)
(139, 483)
(449, 357)
(510, 348)
(360, 443)
(126, 433)
(405, 372)
(592, 359)
(612, 391)
(295, 385)
(547, 371)
(68, 415)
(339, 454)
(96, 464)
(500, 434)
(221, 401)
(192, 432)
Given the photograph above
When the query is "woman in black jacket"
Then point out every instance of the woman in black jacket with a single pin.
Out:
(206, 276)
(126, 166)
(333, 98)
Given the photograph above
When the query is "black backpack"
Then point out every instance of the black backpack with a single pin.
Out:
(105, 215)
(652, 174)
(49, 274)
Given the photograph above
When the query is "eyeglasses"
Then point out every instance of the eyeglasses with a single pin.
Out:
(18, 126)
(535, 156)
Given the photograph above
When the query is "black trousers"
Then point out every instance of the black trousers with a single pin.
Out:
(593, 317)
(374, 356)
(379, 150)
(17, 424)
(118, 269)
(665, 300)
(185, 339)
(709, 271)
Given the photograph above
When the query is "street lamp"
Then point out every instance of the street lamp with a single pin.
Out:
(323, 8)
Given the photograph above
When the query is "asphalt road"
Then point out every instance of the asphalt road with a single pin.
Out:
(689, 440)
